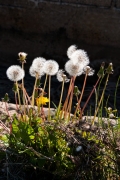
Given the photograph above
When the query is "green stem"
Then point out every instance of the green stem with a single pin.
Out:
(23, 83)
(78, 104)
(71, 98)
(88, 98)
(45, 83)
(18, 94)
(100, 99)
(58, 110)
(116, 92)
(49, 96)
(66, 100)
(33, 94)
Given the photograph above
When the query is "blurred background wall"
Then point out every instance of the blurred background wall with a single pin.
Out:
(48, 27)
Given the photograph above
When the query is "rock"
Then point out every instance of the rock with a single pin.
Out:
(48, 28)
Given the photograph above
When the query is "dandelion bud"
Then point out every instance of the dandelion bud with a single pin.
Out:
(109, 109)
(81, 57)
(61, 76)
(101, 71)
(15, 73)
(76, 91)
(73, 69)
(51, 67)
(22, 56)
(14, 87)
(6, 98)
(109, 70)
(71, 50)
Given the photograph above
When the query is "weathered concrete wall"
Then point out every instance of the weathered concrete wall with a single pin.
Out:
(90, 2)
(47, 28)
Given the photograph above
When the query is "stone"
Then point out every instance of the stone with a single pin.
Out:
(48, 28)
(118, 4)
(90, 2)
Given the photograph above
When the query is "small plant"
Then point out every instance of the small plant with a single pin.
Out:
(66, 145)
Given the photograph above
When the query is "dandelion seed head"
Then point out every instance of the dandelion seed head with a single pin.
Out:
(15, 73)
(73, 69)
(88, 70)
(51, 67)
(35, 73)
(61, 76)
(71, 50)
(111, 115)
(80, 56)
(37, 67)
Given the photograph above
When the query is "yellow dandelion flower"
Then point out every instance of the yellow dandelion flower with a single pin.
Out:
(41, 100)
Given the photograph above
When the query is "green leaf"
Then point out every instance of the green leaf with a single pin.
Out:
(15, 128)
(5, 139)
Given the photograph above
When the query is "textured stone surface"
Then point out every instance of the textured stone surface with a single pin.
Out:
(48, 28)
(90, 2)
(118, 3)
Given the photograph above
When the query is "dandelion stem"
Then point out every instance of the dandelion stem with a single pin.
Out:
(63, 82)
(101, 99)
(71, 97)
(116, 92)
(23, 88)
(7, 110)
(88, 99)
(45, 82)
(33, 94)
(18, 94)
(16, 101)
(28, 98)
(66, 100)
(23, 79)
(49, 97)
(4, 126)
(78, 104)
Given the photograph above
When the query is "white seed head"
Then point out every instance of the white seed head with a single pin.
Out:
(15, 73)
(51, 67)
(61, 76)
(71, 50)
(111, 115)
(80, 56)
(73, 69)
(37, 66)
(33, 72)
(88, 70)
(22, 56)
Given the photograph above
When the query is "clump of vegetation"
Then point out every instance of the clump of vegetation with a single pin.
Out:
(59, 144)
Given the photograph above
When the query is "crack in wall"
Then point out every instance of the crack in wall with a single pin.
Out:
(113, 4)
